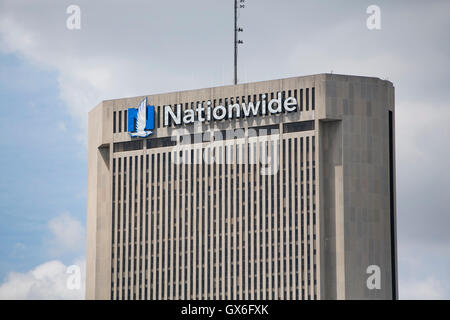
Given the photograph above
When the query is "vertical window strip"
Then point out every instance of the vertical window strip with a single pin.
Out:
(114, 122)
(307, 99)
(120, 121)
(125, 120)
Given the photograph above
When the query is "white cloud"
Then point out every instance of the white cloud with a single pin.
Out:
(422, 289)
(417, 124)
(46, 281)
(67, 235)
(50, 279)
(423, 178)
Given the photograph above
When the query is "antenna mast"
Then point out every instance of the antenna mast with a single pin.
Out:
(236, 40)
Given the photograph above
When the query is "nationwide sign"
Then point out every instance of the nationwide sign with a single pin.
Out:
(232, 111)
(141, 119)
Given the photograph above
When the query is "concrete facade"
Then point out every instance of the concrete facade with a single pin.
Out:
(310, 229)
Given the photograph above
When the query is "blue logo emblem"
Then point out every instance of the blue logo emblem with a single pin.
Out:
(141, 120)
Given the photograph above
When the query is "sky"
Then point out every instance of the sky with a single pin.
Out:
(51, 76)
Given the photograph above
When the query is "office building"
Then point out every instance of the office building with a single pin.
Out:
(281, 189)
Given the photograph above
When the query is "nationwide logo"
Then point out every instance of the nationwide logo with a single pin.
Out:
(141, 120)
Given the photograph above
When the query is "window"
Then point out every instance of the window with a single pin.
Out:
(307, 98)
(114, 122)
(125, 120)
(298, 126)
(120, 121)
(128, 146)
(160, 142)
(301, 99)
